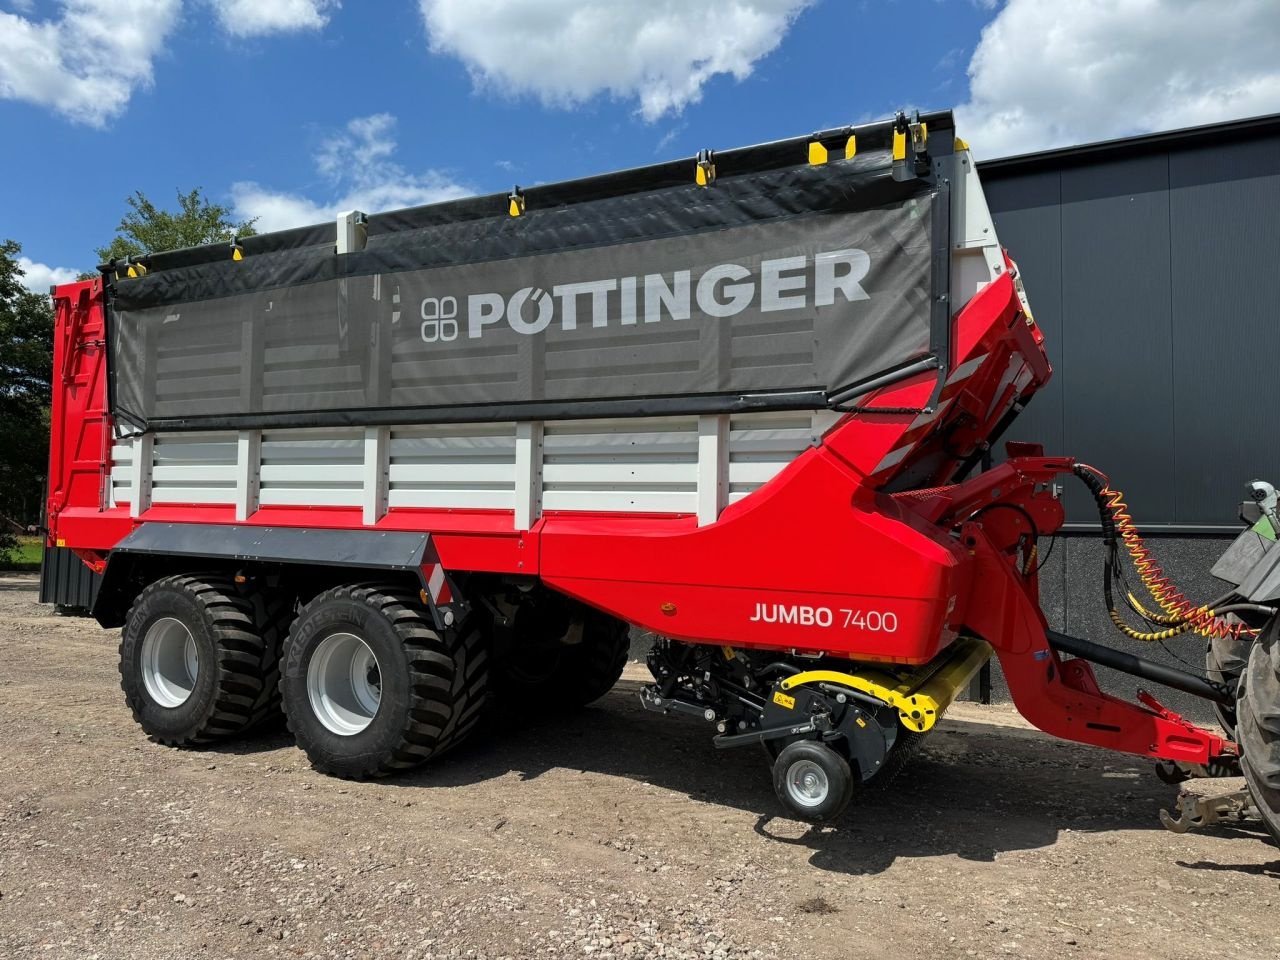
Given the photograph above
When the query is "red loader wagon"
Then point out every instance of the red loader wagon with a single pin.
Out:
(390, 472)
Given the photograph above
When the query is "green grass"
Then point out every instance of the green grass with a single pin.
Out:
(25, 557)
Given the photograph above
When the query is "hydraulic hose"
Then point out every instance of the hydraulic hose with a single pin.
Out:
(1178, 614)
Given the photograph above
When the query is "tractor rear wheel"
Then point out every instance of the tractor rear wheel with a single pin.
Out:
(1225, 660)
(370, 687)
(199, 658)
(1258, 727)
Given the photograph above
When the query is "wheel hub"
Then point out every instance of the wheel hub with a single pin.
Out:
(170, 662)
(807, 783)
(344, 684)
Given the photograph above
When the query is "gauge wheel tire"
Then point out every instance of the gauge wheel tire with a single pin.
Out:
(578, 674)
(904, 749)
(1258, 729)
(813, 781)
(410, 693)
(199, 658)
(1225, 661)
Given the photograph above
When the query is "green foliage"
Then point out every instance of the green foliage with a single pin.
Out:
(26, 370)
(148, 229)
(22, 553)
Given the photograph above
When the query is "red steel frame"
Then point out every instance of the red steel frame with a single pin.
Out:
(820, 559)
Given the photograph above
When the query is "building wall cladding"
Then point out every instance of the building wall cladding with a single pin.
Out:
(1151, 265)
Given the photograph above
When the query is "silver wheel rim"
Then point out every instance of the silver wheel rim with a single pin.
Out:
(807, 783)
(344, 684)
(170, 662)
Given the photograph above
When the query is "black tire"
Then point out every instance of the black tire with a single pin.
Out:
(562, 675)
(433, 687)
(900, 755)
(799, 760)
(1258, 727)
(236, 637)
(1225, 660)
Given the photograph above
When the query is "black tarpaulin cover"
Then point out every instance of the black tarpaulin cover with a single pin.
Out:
(776, 287)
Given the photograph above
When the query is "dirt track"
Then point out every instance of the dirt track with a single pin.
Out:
(618, 835)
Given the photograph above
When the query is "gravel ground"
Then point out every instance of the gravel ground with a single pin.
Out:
(615, 835)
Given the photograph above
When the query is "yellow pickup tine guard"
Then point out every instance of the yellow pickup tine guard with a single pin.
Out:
(921, 695)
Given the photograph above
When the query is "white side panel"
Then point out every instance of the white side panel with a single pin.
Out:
(976, 258)
(121, 483)
(713, 467)
(453, 465)
(761, 444)
(140, 475)
(528, 473)
(635, 465)
(248, 472)
(194, 468)
(689, 465)
(312, 468)
(374, 471)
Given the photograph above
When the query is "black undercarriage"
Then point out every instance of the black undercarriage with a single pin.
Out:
(741, 694)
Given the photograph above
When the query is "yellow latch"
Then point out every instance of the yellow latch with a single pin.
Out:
(899, 144)
(817, 153)
(515, 202)
(705, 174)
(851, 147)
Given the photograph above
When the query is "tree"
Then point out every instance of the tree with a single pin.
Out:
(26, 372)
(148, 229)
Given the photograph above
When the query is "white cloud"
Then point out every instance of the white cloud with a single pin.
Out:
(255, 18)
(39, 277)
(360, 174)
(87, 62)
(564, 52)
(1047, 73)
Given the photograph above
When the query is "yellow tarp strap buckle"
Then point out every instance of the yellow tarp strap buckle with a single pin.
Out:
(820, 153)
(515, 202)
(237, 251)
(705, 172)
(900, 138)
(910, 143)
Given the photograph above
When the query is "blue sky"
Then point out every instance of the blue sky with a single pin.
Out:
(290, 109)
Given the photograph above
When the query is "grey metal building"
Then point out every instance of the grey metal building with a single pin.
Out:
(1151, 264)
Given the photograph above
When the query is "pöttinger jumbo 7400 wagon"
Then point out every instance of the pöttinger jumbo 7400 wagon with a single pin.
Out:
(392, 471)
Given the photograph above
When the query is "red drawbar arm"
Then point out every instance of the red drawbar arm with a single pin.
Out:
(1059, 696)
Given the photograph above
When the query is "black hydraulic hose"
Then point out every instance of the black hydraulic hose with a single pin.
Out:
(1096, 487)
(1190, 683)
(1189, 619)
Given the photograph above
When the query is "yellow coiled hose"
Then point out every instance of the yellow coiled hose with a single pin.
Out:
(1179, 614)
